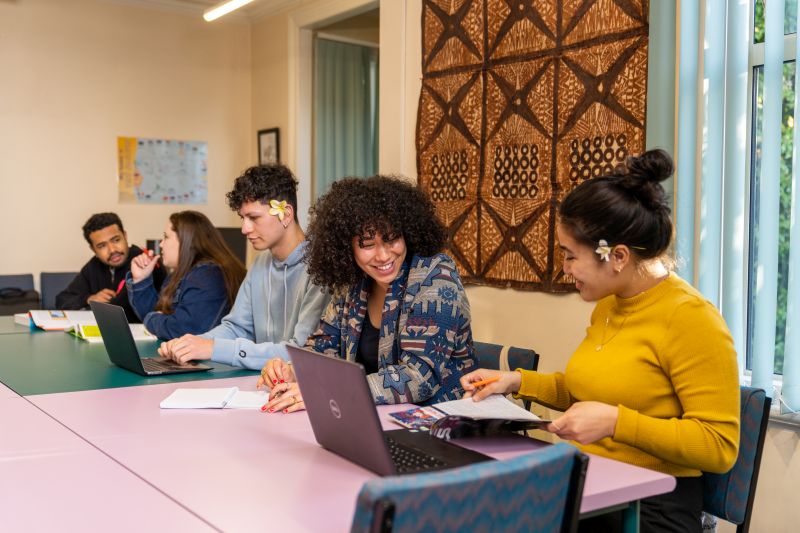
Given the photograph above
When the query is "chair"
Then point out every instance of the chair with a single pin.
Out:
(236, 241)
(730, 496)
(539, 491)
(52, 283)
(499, 357)
(17, 281)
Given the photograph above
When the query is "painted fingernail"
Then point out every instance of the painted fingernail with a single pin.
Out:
(282, 381)
(274, 381)
(286, 411)
(263, 408)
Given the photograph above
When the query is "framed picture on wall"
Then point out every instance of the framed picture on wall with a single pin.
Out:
(269, 146)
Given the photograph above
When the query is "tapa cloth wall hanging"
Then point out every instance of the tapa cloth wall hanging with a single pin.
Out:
(521, 101)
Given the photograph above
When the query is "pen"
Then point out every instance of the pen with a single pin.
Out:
(483, 382)
(119, 287)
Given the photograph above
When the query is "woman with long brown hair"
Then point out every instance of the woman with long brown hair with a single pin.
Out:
(201, 287)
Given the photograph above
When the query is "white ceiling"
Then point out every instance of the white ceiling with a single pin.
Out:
(254, 10)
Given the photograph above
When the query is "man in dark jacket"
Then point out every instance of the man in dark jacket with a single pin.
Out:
(102, 279)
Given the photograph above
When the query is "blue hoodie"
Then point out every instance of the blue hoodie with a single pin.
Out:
(276, 304)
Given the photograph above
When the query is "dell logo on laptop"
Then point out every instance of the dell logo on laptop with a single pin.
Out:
(335, 409)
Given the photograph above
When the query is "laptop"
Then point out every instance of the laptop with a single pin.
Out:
(121, 347)
(340, 407)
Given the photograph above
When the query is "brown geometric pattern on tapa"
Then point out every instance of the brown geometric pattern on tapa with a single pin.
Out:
(521, 101)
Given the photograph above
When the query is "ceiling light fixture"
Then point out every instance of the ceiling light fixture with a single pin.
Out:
(223, 8)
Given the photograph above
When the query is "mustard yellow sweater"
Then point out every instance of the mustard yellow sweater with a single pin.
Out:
(667, 361)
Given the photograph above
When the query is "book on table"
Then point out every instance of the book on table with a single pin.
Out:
(216, 398)
(81, 324)
(56, 320)
(465, 417)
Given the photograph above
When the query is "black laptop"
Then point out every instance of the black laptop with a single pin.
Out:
(121, 347)
(344, 419)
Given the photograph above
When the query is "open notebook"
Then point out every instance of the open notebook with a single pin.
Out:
(218, 398)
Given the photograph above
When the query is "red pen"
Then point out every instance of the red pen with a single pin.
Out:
(119, 287)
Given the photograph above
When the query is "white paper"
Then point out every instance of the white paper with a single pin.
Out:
(199, 398)
(140, 333)
(246, 399)
(495, 406)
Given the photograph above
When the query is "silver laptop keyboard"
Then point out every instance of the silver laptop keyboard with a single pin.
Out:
(408, 459)
(153, 365)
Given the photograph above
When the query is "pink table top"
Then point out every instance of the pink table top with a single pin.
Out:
(51, 479)
(241, 469)
(5, 392)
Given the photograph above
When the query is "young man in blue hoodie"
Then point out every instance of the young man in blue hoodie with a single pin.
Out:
(277, 303)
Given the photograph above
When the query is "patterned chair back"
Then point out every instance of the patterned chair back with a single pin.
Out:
(499, 357)
(540, 491)
(730, 496)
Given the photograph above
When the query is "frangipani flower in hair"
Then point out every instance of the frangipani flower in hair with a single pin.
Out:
(603, 250)
(278, 208)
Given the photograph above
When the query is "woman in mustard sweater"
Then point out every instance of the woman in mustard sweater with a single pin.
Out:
(655, 381)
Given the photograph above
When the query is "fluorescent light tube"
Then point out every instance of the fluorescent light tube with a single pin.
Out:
(223, 8)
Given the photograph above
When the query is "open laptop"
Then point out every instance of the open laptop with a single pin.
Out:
(121, 347)
(344, 419)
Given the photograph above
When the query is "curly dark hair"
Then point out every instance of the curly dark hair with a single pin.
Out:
(99, 221)
(388, 205)
(263, 183)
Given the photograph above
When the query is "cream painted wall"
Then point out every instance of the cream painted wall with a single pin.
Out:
(75, 75)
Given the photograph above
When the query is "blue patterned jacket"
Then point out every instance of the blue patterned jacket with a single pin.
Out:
(428, 305)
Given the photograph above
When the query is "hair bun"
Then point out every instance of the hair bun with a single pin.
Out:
(653, 166)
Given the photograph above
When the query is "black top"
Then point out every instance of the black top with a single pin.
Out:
(95, 276)
(367, 353)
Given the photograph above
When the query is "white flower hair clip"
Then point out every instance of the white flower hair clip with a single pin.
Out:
(604, 250)
(278, 208)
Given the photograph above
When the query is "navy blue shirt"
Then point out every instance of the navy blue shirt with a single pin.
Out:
(199, 303)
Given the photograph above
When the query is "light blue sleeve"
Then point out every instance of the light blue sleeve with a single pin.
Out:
(241, 351)
(245, 353)
(239, 322)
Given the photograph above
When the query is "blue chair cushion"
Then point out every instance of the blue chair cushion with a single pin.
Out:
(526, 493)
(726, 495)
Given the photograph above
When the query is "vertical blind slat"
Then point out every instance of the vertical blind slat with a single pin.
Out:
(734, 214)
(687, 139)
(709, 254)
(766, 260)
(790, 391)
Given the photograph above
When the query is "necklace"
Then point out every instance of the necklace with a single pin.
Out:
(603, 340)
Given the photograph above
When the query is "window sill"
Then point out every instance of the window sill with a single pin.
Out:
(787, 421)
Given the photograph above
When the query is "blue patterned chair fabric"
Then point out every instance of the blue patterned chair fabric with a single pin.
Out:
(730, 496)
(499, 357)
(539, 491)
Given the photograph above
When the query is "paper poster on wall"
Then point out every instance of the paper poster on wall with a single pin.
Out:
(162, 171)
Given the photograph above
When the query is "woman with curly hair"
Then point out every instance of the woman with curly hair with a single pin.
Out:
(202, 284)
(398, 304)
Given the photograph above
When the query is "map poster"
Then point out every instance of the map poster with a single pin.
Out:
(160, 171)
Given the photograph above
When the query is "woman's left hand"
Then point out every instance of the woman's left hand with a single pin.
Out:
(286, 398)
(586, 422)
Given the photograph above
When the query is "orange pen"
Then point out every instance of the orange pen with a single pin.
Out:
(486, 381)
